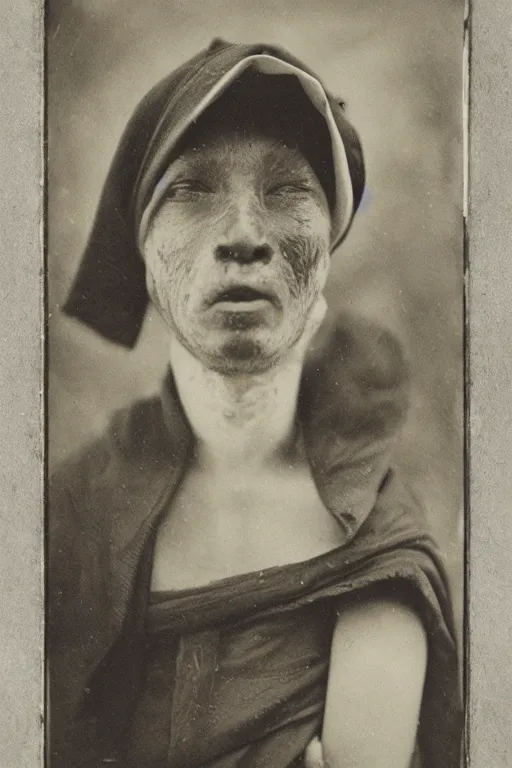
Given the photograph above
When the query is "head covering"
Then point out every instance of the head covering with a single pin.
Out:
(109, 293)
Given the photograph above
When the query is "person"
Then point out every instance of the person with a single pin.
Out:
(237, 576)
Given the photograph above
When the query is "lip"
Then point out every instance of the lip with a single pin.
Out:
(254, 308)
(243, 297)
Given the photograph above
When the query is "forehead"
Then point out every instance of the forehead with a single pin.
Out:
(222, 150)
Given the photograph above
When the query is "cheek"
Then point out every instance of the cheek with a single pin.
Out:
(168, 274)
(307, 261)
(304, 243)
(173, 253)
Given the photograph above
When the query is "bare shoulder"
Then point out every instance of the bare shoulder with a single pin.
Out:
(388, 617)
(383, 637)
(375, 688)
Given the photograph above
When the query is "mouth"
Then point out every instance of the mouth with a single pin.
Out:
(243, 297)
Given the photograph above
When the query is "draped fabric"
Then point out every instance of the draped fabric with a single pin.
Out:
(250, 654)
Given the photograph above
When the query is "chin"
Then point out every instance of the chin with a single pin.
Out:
(237, 352)
(238, 355)
(241, 355)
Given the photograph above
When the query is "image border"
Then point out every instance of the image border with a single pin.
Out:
(488, 281)
(488, 396)
(22, 384)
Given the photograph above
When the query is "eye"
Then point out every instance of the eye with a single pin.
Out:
(289, 188)
(186, 190)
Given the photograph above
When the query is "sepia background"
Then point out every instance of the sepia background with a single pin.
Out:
(398, 65)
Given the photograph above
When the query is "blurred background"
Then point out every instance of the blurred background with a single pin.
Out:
(398, 65)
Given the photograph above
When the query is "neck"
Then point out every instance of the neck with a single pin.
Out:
(240, 422)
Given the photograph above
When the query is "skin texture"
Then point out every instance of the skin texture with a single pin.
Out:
(240, 211)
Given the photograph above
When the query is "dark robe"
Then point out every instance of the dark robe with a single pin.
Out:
(249, 654)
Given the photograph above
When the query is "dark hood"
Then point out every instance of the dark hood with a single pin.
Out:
(109, 293)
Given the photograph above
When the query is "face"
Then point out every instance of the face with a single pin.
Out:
(238, 252)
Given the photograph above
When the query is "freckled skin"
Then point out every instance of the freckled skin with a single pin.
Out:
(225, 191)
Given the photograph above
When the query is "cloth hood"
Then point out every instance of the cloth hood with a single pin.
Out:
(109, 293)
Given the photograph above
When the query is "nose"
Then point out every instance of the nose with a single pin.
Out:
(244, 242)
(243, 252)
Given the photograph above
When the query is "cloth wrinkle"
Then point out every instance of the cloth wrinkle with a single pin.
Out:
(246, 700)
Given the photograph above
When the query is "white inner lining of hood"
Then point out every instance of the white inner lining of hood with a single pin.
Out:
(270, 65)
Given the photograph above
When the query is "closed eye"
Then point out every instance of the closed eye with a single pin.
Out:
(289, 188)
(187, 189)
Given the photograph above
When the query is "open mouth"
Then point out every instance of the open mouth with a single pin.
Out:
(243, 307)
(242, 294)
